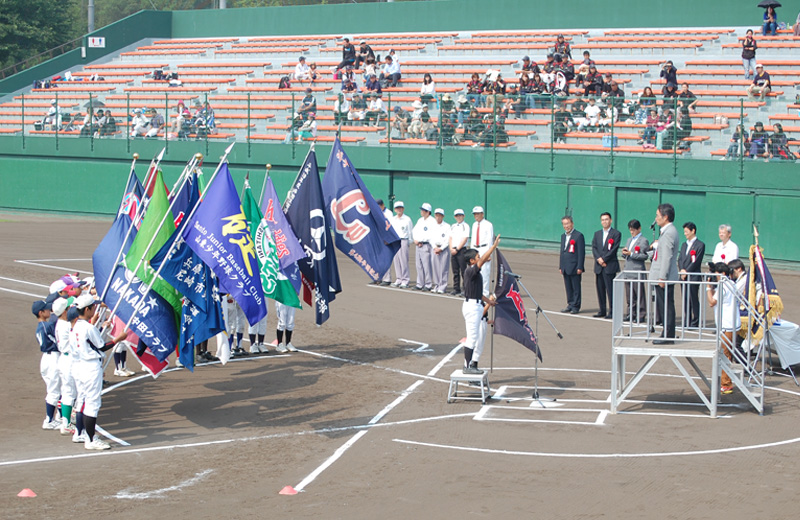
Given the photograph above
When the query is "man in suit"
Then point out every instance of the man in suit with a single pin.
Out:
(635, 254)
(664, 270)
(605, 244)
(690, 260)
(571, 263)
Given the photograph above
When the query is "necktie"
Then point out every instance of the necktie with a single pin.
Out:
(478, 235)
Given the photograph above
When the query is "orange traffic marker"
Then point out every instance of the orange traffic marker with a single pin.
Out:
(27, 493)
(288, 490)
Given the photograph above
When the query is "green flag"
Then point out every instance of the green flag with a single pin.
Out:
(157, 210)
(276, 286)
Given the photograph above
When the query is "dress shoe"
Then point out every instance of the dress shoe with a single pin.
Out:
(599, 315)
(626, 318)
(663, 342)
(566, 310)
(574, 311)
(608, 316)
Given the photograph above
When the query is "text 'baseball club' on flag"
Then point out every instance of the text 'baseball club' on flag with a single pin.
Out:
(361, 230)
(305, 210)
(219, 234)
(510, 318)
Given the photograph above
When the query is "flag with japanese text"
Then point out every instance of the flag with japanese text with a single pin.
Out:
(361, 230)
(219, 234)
(148, 360)
(199, 323)
(510, 318)
(287, 246)
(305, 209)
(275, 286)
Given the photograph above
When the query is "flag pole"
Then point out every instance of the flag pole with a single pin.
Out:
(264, 184)
(185, 222)
(149, 245)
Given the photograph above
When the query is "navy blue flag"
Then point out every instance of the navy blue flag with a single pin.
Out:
(305, 210)
(148, 313)
(103, 258)
(220, 235)
(184, 200)
(361, 230)
(510, 318)
(199, 323)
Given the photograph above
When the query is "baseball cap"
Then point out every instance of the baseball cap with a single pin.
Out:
(59, 306)
(52, 297)
(72, 313)
(526, 58)
(58, 286)
(438, 211)
(477, 209)
(459, 211)
(308, 90)
(426, 207)
(759, 66)
(380, 202)
(39, 306)
(84, 300)
(399, 204)
(301, 58)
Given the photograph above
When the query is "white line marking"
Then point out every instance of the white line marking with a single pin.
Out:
(412, 291)
(544, 421)
(333, 458)
(361, 363)
(690, 416)
(158, 493)
(170, 447)
(444, 361)
(601, 418)
(56, 260)
(23, 281)
(424, 347)
(112, 437)
(56, 267)
(21, 292)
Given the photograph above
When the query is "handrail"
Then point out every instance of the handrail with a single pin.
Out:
(38, 58)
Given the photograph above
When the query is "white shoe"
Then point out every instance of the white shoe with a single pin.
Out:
(97, 444)
(76, 438)
(66, 427)
(128, 373)
(263, 348)
(404, 286)
(55, 424)
(117, 372)
(281, 348)
(254, 349)
(178, 363)
(291, 348)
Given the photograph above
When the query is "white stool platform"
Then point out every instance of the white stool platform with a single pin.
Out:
(482, 379)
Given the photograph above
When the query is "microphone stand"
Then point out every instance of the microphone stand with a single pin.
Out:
(538, 311)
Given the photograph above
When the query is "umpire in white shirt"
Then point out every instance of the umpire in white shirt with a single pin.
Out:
(421, 234)
(481, 239)
(440, 261)
(401, 223)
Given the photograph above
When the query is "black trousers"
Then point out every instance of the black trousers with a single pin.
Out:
(669, 316)
(458, 263)
(691, 308)
(604, 283)
(572, 283)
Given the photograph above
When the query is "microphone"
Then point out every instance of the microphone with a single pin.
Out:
(517, 276)
(653, 225)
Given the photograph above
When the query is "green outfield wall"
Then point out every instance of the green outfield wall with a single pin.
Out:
(525, 194)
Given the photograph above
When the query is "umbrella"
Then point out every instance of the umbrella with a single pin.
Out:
(94, 104)
(769, 3)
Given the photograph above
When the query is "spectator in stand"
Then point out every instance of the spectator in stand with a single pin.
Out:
(369, 70)
(669, 74)
(615, 96)
(348, 55)
(687, 97)
(758, 141)
(88, 128)
(309, 128)
(420, 125)
(312, 72)
(349, 88)
(524, 91)
(770, 21)
(529, 68)
(647, 101)
(562, 47)
(53, 119)
(567, 68)
(562, 122)
(349, 75)
(650, 129)
(448, 107)
(358, 110)
(401, 121)
(474, 125)
(591, 116)
(549, 64)
(390, 74)
(591, 81)
(605, 86)
(307, 105)
(341, 107)
(204, 121)
(302, 72)
(739, 143)
(495, 90)
(538, 90)
(373, 85)
(665, 124)
(587, 59)
(100, 121)
(475, 90)
(376, 110)
(364, 54)
(670, 91)
(685, 127)
(157, 124)
(139, 123)
(182, 119)
(761, 84)
(427, 92)
(778, 145)
(293, 127)
(749, 47)
(462, 110)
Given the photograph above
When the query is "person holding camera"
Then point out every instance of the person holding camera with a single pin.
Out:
(669, 74)
(727, 319)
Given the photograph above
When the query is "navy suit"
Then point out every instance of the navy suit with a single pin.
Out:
(570, 262)
(691, 308)
(604, 276)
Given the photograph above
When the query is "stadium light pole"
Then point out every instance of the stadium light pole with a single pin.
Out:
(91, 16)
(223, 4)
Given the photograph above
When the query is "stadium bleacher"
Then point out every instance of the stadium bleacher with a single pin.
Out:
(243, 87)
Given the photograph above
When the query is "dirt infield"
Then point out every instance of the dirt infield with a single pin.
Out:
(358, 418)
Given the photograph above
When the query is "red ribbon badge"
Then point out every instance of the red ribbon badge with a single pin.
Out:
(693, 254)
(571, 246)
(636, 249)
(723, 257)
(610, 243)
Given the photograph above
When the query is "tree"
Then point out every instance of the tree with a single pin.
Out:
(29, 27)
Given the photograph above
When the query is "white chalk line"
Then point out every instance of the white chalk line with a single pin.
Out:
(56, 260)
(603, 455)
(321, 431)
(112, 437)
(362, 363)
(158, 493)
(380, 415)
(38, 296)
(23, 281)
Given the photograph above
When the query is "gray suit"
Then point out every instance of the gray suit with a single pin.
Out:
(636, 262)
(665, 267)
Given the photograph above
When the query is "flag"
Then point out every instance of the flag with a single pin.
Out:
(510, 318)
(276, 287)
(155, 234)
(287, 246)
(118, 237)
(147, 359)
(149, 315)
(199, 323)
(305, 210)
(182, 199)
(762, 293)
(219, 234)
(361, 230)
